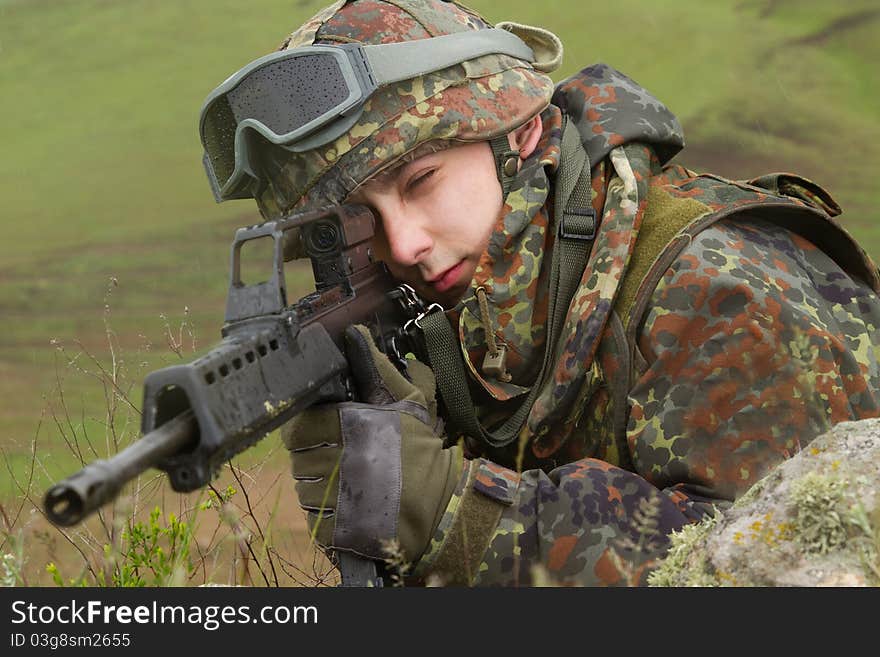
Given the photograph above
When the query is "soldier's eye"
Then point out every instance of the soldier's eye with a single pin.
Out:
(418, 179)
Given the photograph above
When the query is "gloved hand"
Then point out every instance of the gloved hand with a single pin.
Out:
(375, 470)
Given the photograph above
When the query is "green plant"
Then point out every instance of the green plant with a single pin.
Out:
(821, 521)
(679, 567)
(152, 553)
(12, 565)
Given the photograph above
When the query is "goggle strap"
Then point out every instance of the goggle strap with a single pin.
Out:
(394, 62)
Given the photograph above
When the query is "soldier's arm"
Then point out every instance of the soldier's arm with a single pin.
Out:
(586, 523)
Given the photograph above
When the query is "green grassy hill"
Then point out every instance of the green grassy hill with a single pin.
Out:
(100, 174)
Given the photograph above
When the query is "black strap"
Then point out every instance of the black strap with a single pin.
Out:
(575, 228)
(506, 163)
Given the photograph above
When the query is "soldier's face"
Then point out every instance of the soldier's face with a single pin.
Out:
(436, 214)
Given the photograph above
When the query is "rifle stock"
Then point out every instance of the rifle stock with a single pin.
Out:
(273, 361)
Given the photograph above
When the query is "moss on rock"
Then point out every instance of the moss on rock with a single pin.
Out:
(813, 521)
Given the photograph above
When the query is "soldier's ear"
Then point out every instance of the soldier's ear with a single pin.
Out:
(525, 138)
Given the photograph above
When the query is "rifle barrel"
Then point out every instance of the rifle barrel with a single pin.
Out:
(71, 500)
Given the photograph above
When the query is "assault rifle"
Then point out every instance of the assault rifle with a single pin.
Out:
(274, 361)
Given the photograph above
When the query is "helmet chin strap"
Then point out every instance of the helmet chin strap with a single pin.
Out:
(506, 163)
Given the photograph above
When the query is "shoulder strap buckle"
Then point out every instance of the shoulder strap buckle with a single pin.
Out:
(578, 224)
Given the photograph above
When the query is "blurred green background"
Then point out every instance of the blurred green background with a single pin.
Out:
(113, 245)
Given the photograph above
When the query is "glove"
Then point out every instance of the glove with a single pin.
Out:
(374, 471)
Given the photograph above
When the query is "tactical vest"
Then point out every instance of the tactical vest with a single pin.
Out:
(672, 218)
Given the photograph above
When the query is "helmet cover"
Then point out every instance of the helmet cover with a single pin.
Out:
(472, 101)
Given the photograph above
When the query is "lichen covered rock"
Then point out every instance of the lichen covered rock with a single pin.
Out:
(813, 521)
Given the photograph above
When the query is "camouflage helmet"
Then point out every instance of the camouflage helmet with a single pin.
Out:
(477, 100)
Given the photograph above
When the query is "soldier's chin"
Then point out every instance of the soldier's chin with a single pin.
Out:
(448, 299)
(451, 298)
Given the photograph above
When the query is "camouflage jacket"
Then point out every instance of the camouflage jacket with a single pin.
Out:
(717, 328)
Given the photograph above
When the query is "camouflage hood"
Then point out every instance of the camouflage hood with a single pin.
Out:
(628, 136)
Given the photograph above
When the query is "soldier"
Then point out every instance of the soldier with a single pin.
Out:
(624, 346)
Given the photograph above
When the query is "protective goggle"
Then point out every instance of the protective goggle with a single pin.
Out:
(306, 97)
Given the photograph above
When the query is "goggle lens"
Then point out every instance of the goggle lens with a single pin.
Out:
(284, 96)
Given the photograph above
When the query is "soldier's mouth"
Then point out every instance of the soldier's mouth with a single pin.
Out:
(448, 278)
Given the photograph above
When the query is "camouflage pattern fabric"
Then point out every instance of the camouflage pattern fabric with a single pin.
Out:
(755, 342)
(683, 377)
